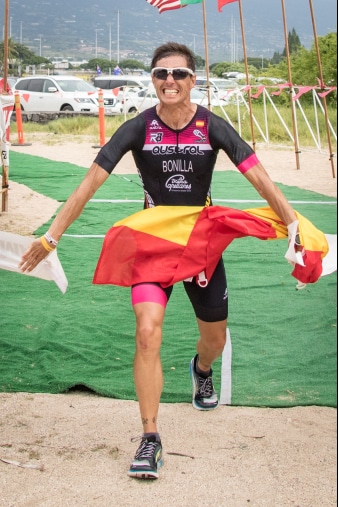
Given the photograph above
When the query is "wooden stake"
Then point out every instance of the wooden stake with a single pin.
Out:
(322, 85)
(294, 118)
(246, 72)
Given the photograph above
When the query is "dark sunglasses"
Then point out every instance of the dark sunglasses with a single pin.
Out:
(178, 73)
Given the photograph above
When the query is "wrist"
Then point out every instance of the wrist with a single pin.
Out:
(46, 245)
(50, 240)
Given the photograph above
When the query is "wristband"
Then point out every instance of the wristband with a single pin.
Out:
(51, 241)
(46, 245)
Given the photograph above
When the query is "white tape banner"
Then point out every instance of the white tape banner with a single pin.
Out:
(226, 372)
(12, 246)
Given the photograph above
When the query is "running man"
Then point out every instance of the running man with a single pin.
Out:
(175, 146)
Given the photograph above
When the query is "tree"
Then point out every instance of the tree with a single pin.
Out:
(131, 64)
(19, 55)
(294, 43)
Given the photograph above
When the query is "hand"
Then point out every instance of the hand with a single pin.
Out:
(33, 256)
(297, 245)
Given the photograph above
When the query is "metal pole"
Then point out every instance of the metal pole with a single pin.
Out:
(206, 56)
(118, 37)
(6, 44)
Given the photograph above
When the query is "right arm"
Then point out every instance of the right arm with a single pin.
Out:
(71, 210)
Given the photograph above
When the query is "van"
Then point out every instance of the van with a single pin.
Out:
(110, 82)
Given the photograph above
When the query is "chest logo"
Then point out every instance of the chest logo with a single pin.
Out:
(200, 135)
(156, 137)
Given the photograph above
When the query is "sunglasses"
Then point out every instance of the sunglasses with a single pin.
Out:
(178, 73)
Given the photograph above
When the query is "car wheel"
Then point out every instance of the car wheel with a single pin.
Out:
(67, 108)
(132, 110)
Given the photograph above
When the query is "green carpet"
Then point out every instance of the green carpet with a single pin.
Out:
(283, 340)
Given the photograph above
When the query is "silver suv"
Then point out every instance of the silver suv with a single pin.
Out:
(62, 93)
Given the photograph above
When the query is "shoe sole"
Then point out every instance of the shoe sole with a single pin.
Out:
(143, 475)
(146, 474)
(194, 403)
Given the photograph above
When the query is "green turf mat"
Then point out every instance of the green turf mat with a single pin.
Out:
(283, 340)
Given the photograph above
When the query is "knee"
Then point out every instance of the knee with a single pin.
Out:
(148, 338)
(220, 341)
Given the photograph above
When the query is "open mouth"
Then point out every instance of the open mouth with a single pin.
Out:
(170, 92)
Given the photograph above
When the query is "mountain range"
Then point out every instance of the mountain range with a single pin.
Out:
(120, 29)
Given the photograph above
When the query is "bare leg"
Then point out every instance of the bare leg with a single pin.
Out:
(148, 376)
(211, 342)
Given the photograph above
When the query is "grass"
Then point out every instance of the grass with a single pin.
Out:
(272, 130)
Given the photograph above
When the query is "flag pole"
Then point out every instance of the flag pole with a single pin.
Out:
(294, 118)
(246, 72)
(6, 43)
(206, 56)
(4, 172)
(322, 86)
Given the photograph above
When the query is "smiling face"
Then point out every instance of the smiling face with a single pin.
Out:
(170, 91)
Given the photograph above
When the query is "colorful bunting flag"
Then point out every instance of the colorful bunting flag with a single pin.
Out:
(168, 244)
(221, 3)
(169, 5)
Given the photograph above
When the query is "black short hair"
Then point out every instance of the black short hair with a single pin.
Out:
(173, 48)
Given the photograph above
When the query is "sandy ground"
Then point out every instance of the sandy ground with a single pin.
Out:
(74, 449)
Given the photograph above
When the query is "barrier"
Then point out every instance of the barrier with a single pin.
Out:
(6, 102)
(18, 116)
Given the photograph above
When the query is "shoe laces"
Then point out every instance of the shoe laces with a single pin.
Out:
(205, 386)
(146, 449)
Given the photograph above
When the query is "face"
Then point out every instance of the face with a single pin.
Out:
(170, 91)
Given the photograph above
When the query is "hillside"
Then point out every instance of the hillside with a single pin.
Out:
(84, 29)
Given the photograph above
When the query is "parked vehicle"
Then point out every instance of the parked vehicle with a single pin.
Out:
(110, 82)
(139, 100)
(62, 93)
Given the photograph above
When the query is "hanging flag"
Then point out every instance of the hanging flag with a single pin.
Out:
(169, 5)
(221, 3)
(168, 244)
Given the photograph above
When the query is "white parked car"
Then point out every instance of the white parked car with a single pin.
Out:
(139, 100)
(62, 93)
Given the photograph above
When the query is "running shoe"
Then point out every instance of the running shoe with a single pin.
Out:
(204, 394)
(147, 460)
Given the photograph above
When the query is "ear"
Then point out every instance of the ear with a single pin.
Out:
(193, 81)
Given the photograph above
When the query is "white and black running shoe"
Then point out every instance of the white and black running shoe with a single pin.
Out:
(204, 394)
(147, 460)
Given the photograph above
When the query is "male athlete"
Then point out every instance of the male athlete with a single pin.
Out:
(175, 145)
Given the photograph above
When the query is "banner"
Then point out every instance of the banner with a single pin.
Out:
(7, 104)
(12, 246)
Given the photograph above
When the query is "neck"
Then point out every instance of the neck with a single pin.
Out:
(176, 117)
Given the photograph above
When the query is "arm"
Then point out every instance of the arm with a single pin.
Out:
(261, 181)
(71, 210)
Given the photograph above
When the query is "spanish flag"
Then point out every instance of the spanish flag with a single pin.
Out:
(169, 244)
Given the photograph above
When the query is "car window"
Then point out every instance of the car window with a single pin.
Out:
(47, 84)
(35, 85)
(102, 83)
(75, 85)
(22, 85)
(115, 83)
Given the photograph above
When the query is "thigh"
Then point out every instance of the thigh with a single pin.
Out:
(150, 293)
(210, 303)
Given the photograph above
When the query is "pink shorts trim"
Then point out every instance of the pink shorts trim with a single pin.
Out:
(148, 293)
(247, 164)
